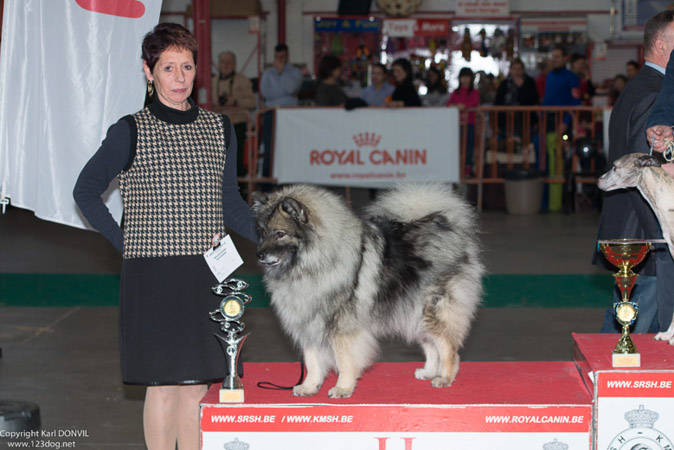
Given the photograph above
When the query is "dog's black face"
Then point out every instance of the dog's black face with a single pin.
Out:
(280, 229)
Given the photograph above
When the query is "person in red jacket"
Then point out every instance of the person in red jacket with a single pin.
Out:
(464, 98)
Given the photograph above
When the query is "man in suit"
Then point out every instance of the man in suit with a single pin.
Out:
(625, 214)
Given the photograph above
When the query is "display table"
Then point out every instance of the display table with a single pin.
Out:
(634, 408)
(499, 405)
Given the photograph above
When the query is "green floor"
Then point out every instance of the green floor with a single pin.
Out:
(545, 291)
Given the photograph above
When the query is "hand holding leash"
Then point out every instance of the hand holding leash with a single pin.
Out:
(661, 138)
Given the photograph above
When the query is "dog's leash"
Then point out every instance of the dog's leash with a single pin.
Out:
(276, 387)
(668, 154)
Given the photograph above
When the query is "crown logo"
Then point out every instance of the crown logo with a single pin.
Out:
(236, 444)
(641, 418)
(555, 445)
(364, 139)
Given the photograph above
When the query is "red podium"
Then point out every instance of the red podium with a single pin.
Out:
(634, 408)
(490, 406)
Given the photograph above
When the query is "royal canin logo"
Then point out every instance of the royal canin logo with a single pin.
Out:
(366, 139)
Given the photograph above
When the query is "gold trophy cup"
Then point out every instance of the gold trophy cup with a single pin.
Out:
(625, 254)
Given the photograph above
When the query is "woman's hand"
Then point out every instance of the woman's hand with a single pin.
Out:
(661, 132)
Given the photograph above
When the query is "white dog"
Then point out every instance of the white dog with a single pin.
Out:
(657, 187)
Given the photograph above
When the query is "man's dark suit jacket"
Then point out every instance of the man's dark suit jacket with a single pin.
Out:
(625, 213)
(662, 112)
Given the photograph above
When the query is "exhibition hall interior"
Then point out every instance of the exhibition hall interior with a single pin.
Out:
(339, 223)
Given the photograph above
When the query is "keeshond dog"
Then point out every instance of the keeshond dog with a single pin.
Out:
(410, 266)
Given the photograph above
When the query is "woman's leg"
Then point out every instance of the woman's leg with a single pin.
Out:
(160, 417)
(188, 415)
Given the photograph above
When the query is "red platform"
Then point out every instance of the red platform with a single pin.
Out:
(490, 405)
(633, 406)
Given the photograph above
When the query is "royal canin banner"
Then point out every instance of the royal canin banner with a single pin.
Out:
(366, 147)
(68, 70)
(400, 427)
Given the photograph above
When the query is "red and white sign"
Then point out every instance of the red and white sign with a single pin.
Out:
(399, 27)
(432, 27)
(482, 8)
(634, 407)
(416, 27)
(389, 427)
(367, 147)
(489, 406)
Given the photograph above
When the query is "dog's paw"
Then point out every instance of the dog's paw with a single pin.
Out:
(664, 336)
(440, 382)
(423, 374)
(305, 391)
(338, 392)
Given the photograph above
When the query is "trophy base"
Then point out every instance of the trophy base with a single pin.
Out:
(231, 395)
(626, 360)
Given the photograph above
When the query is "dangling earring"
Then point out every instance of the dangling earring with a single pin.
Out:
(150, 88)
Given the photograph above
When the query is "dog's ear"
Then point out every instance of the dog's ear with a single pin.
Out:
(294, 209)
(647, 161)
(259, 200)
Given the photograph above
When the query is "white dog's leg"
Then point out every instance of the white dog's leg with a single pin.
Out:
(316, 370)
(449, 363)
(432, 366)
(667, 335)
(353, 353)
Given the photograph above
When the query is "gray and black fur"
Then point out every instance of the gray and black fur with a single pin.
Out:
(410, 267)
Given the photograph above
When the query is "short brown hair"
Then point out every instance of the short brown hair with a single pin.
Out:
(654, 27)
(517, 60)
(164, 36)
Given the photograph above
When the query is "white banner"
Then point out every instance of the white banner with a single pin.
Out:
(482, 8)
(366, 147)
(68, 70)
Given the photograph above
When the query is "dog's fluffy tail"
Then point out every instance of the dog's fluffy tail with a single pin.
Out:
(411, 201)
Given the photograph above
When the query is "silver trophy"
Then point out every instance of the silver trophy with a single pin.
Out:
(231, 309)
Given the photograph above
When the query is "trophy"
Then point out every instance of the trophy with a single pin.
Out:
(231, 309)
(625, 254)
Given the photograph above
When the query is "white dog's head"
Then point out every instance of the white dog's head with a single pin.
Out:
(626, 171)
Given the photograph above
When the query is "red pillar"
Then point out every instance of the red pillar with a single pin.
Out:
(202, 31)
(281, 6)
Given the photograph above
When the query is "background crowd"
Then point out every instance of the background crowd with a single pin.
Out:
(561, 80)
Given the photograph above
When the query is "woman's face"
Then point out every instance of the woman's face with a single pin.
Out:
(516, 70)
(433, 77)
(465, 81)
(399, 74)
(336, 73)
(173, 77)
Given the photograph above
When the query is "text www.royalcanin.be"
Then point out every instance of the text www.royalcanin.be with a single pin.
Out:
(534, 419)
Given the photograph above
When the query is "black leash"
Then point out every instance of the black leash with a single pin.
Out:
(276, 387)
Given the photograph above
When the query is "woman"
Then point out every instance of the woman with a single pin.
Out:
(465, 97)
(176, 164)
(328, 92)
(436, 95)
(405, 94)
(518, 89)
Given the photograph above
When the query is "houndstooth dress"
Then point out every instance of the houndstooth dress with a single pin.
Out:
(178, 186)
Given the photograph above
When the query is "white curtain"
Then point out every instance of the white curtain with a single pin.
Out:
(68, 70)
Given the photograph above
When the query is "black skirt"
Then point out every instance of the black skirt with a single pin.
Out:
(166, 335)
